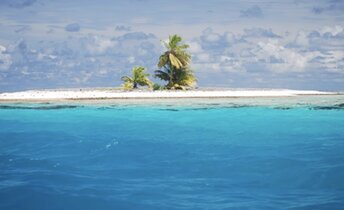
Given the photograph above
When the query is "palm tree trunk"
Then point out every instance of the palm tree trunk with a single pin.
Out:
(171, 75)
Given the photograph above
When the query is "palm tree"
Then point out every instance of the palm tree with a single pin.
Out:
(182, 79)
(139, 77)
(175, 63)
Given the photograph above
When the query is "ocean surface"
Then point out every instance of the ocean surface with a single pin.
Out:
(215, 156)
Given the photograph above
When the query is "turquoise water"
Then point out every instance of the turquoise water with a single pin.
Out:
(166, 157)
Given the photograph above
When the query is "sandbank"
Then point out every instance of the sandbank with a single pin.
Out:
(99, 94)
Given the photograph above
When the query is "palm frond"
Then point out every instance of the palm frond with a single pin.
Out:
(175, 61)
(174, 40)
(183, 57)
(163, 60)
(162, 75)
(183, 46)
(186, 78)
(126, 79)
(128, 86)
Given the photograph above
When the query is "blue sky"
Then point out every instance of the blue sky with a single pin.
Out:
(297, 44)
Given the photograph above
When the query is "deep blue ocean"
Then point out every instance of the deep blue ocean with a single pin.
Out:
(58, 157)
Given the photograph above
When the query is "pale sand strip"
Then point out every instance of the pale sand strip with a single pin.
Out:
(113, 94)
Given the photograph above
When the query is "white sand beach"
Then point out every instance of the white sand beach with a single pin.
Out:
(90, 94)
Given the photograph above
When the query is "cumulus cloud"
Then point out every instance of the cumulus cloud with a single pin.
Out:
(232, 39)
(331, 32)
(203, 57)
(252, 12)
(221, 52)
(322, 39)
(280, 59)
(210, 52)
(210, 36)
(332, 61)
(92, 60)
(100, 60)
(5, 59)
(260, 50)
(73, 27)
(207, 63)
(301, 39)
(194, 47)
(329, 41)
(213, 41)
(228, 52)
(96, 45)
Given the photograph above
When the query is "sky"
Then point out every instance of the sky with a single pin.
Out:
(294, 44)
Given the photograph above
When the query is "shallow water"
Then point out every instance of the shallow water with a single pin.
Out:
(171, 157)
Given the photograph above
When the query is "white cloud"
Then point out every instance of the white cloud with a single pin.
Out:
(194, 47)
(210, 36)
(325, 47)
(332, 61)
(98, 44)
(5, 59)
(326, 38)
(332, 30)
(219, 64)
(230, 64)
(90, 60)
(256, 52)
(302, 39)
(203, 57)
(280, 59)
(231, 38)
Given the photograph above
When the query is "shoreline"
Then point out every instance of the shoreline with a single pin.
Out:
(106, 94)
